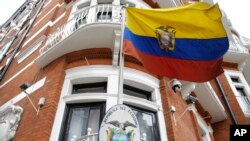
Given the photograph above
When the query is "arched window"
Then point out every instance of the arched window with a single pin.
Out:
(89, 90)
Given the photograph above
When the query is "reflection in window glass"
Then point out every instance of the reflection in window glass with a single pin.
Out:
(241, 91)
(78, 124)
(80, 117)
(100, 87)
(148, 125)
(132, 91)
(235, 79)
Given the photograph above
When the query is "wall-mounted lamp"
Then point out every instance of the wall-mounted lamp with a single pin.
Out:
(41, 101)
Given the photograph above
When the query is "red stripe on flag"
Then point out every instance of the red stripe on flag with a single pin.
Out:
(190, 70)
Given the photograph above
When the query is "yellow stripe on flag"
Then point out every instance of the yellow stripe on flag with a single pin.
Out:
(196, 21)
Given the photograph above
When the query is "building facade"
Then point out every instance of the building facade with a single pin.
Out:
(59, 73)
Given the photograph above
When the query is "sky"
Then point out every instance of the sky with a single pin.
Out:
(237, 11)
(7, 8)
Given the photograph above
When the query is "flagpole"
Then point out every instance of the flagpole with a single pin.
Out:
(121, 61)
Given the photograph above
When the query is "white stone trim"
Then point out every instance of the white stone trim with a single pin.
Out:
(9, 122)
(109, 73)
(210, 102)
(215, 97)
(50, 24)
(47, 13)
(243, 84)
(47, 3)
(27, 52)
(22, 95)
(14, 76)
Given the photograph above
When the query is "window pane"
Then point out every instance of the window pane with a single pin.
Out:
(235, 79)
(132, 91)
(241, 91)
(79, 118)
(99, 87)
(148, 125)
(94, 118)
(77, 123)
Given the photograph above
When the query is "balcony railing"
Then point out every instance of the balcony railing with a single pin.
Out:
(236, 47)
(105, 13)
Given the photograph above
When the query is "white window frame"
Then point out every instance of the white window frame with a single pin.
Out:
(87, 74)
(242, 84)
(31, 49)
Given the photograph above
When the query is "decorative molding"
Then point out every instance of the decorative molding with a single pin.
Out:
(94, 73)
(22, 95)
(9, 122)
(32, 48)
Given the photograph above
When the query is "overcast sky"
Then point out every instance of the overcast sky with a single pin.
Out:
(7, 8)
(237, 11)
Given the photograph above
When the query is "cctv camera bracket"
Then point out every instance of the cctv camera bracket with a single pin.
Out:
(187, 89)
(41, 101)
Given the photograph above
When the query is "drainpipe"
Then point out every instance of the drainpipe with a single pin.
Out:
(226, 102)
(20, 42)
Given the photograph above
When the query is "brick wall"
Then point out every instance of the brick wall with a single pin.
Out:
(221, 129)
(185, 128)
(38, 127)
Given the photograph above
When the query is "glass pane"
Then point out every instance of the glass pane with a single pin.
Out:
(146, 125)
(235, 79)
(94, 118)
(132, 91)
(99, 87)
(78, 122)
(91, 90)
(241, 91)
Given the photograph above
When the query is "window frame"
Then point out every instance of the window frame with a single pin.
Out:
(30, 50)
(155, 120)
(138, 91)
(242, 84)
(90, 85)
(66, 118)
(97, 73)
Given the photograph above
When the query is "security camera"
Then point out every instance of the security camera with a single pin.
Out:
(192, 98)
(24, 86)
(175, 85)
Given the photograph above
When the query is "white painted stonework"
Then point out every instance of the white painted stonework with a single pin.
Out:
(9, 122)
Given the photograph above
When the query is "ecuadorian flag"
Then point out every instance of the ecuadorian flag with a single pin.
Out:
(186, 42)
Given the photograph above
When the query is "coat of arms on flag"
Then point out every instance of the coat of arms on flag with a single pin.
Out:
(186, 42)
(166, 37)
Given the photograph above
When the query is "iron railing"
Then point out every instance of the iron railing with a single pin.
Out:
(236, 47)
(104, 13)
